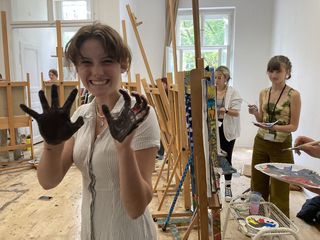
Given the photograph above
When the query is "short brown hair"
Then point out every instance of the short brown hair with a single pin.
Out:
(276, 62)
(54, 72)
(109, 38)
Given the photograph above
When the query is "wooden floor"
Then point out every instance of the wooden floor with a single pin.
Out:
(23, 215)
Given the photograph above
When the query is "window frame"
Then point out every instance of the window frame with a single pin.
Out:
(51, 21)
(228, 12)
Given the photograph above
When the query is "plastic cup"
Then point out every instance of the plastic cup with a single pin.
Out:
(255, 198)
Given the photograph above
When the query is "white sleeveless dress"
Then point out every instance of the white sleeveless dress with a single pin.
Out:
(103, 216)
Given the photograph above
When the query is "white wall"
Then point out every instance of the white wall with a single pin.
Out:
(253, 29)
(107, 12)
(151, 31)
(296, 34)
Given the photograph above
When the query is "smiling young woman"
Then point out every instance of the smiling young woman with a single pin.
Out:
(113, 140)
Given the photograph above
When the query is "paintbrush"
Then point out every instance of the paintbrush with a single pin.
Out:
(299, 147)
(250, 104)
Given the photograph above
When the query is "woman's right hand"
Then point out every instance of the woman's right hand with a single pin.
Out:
(312, 150)
(252, 108)
(54, 123)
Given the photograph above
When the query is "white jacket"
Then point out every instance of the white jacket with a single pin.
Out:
(231, 125)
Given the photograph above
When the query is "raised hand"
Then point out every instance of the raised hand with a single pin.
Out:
(54, 123)
(252, 108)
(308, 145)
(122, 124)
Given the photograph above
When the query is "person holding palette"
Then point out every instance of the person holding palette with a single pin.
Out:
(280, 103)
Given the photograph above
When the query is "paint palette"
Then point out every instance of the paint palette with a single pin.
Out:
(259, 222)
(265, 124)
(291, 173)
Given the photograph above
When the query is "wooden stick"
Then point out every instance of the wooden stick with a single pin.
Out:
(173, 36)
(5, 46)
(59, 51)
(125, 39)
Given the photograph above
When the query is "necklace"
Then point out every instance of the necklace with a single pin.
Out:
(102, 117)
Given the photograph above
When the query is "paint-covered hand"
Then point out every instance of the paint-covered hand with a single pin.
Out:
(128, 119)
(54, 123)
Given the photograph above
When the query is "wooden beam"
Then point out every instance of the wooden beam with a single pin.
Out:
(5, 46)
(199, 158)
(59, 50)
(196, 29)
(125, 39)
(173, 35)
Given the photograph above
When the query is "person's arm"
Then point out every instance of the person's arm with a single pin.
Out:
(315, 190)
(312, 150)
(57, 130)
(135, 173)
(254, 110)
(135, 167)
(295, 106)
(234, 104)
(54, 163)
(230, 112)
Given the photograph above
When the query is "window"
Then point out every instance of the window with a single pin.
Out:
(47, 11)
(33, 24)
(29, 11)
(72, 10)
(216, 37)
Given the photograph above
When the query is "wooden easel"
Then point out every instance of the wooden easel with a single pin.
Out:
(169, 115)
(157, 97)
(204, 202)
(130, 85)
(178, 131)
(64, 86)
(12, 94)
(133, 86)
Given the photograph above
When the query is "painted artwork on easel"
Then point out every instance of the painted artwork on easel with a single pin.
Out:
(213, 141)
(190, 136)
(212, 129)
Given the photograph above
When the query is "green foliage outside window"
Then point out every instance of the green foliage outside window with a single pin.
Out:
(211, 58)
(187, 33)
(214, 32)
(189, 60)
(214, 35)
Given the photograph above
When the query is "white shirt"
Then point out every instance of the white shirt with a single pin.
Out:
(231, 125)
(100, 175)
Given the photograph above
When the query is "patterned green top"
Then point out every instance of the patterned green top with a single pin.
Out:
(281, 113)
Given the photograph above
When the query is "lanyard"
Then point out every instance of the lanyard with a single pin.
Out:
(274, 108)
(223, 99)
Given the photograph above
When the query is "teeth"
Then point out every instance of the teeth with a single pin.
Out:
(98, 83)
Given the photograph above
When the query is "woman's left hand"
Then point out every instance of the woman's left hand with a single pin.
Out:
(129, 118)
(266, 126)
(222, 111)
